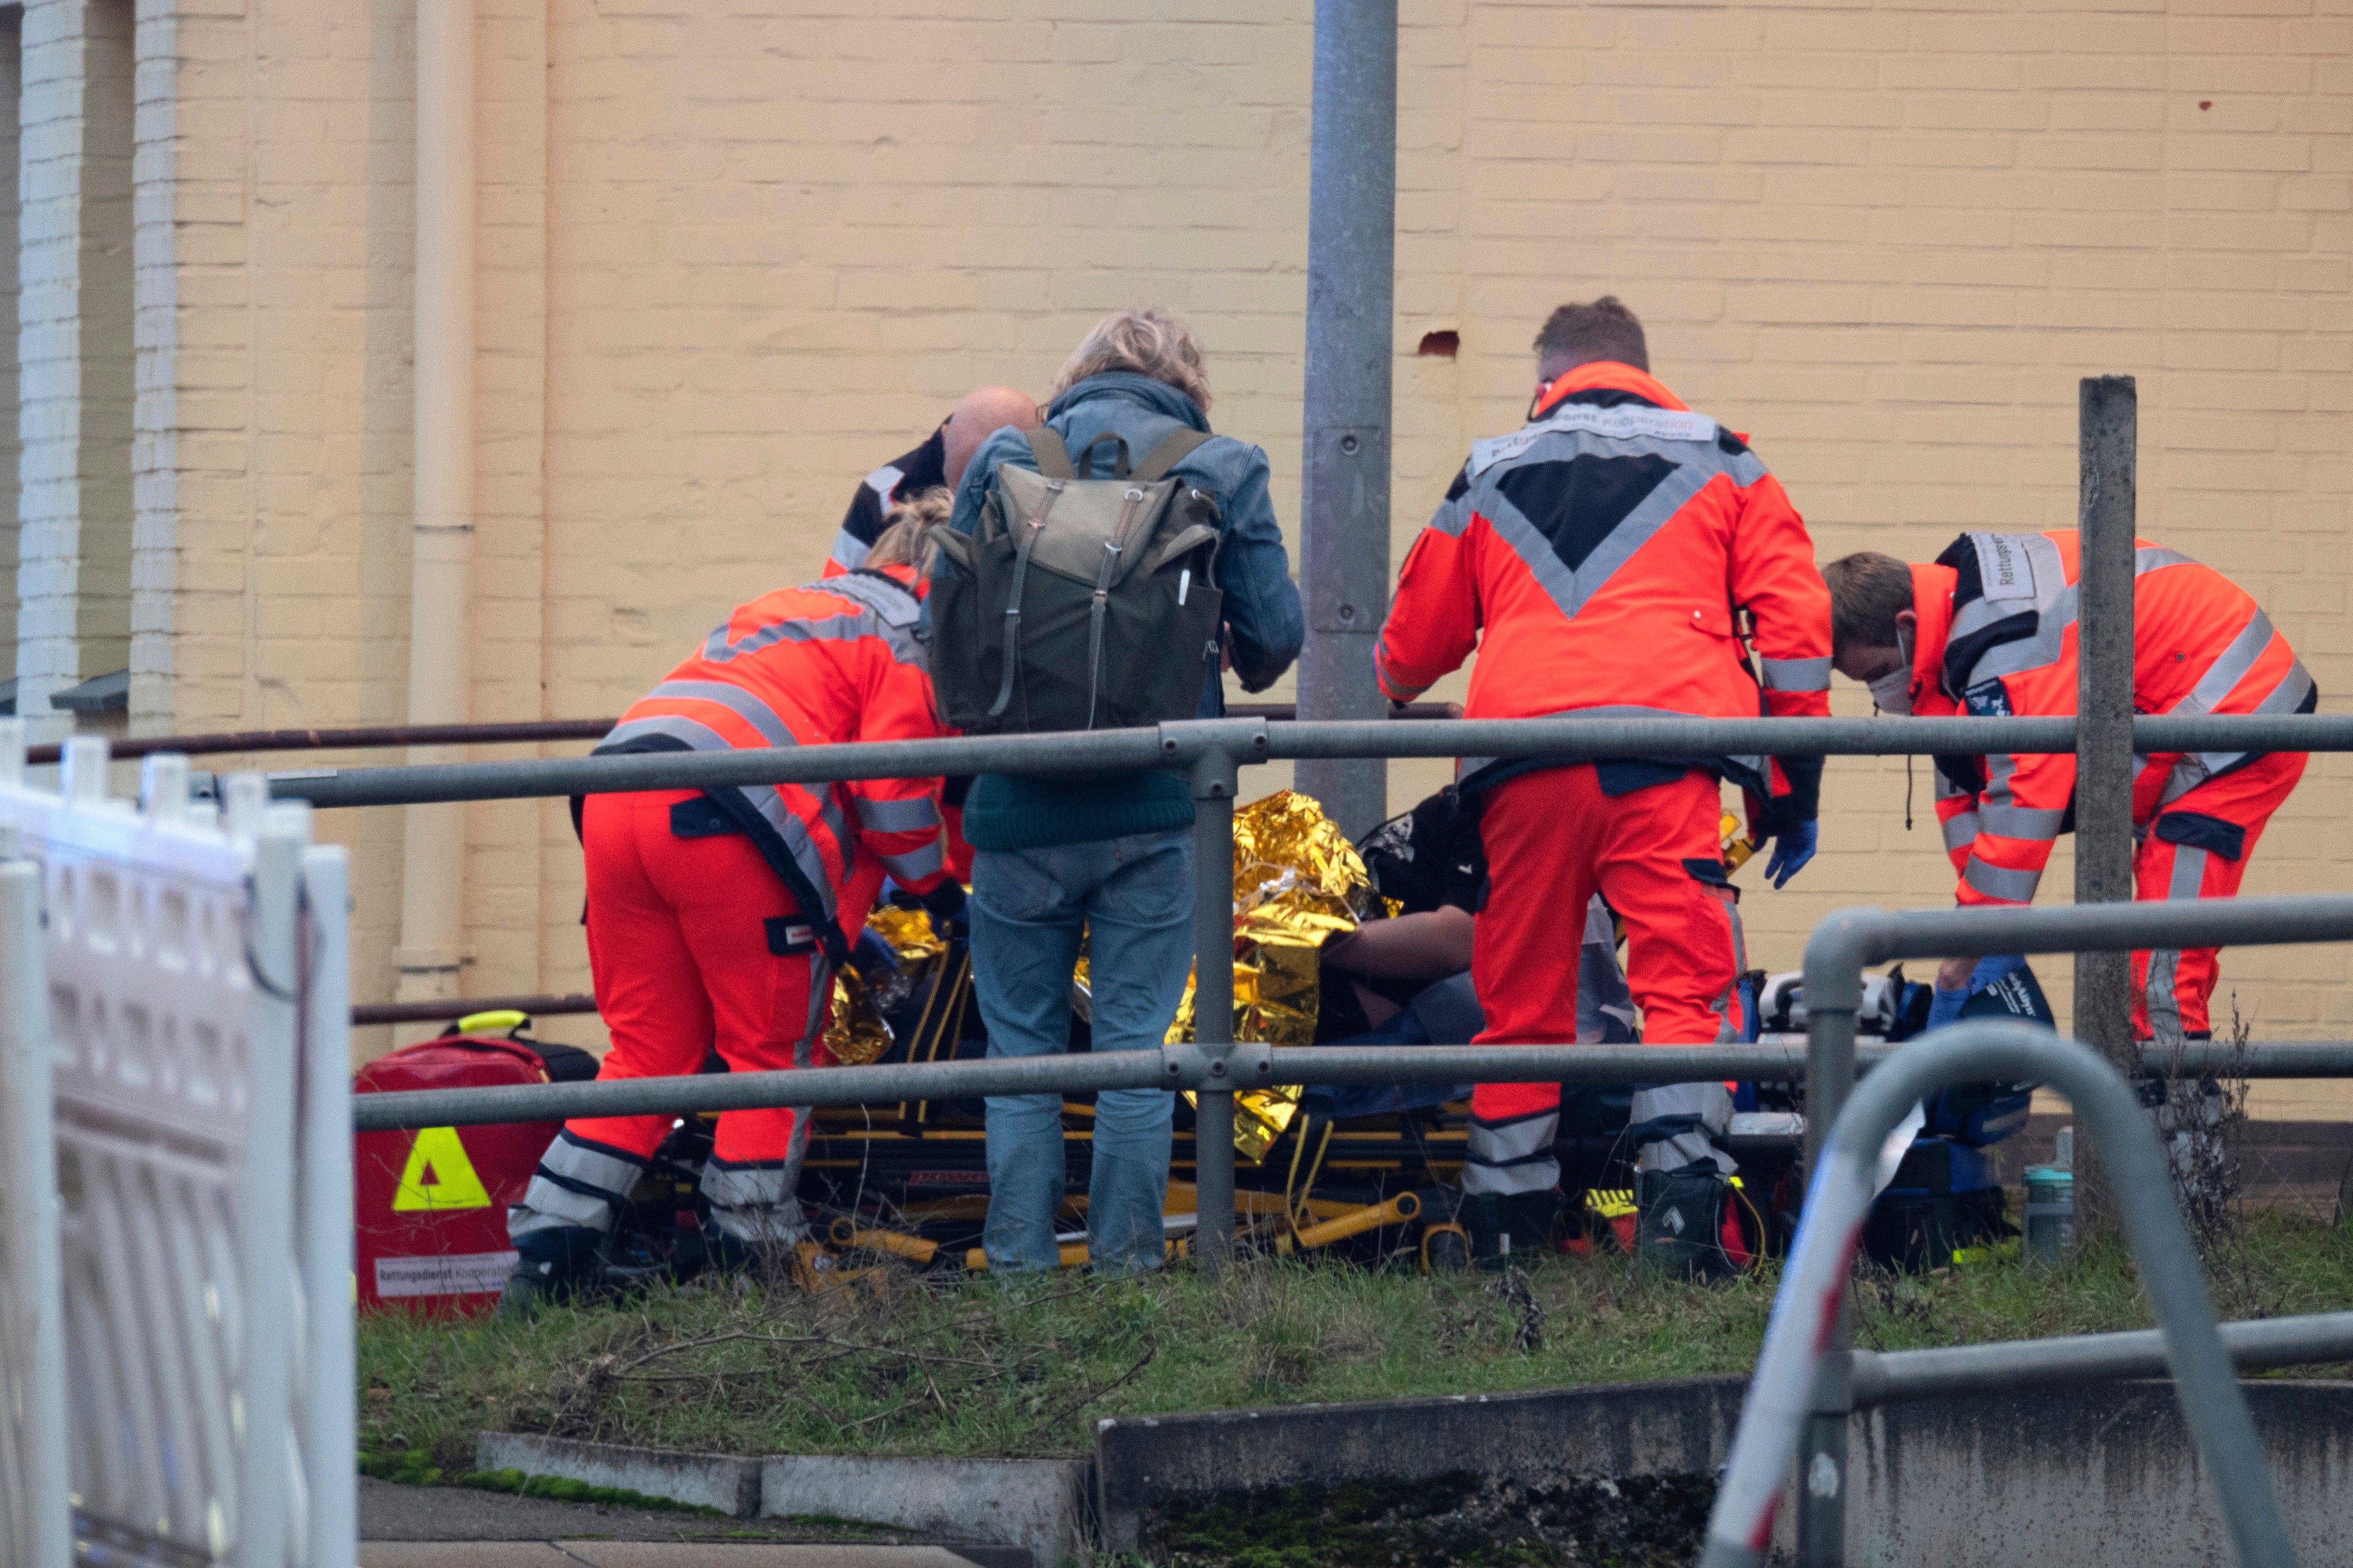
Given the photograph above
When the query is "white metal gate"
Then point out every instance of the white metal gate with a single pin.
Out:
(193, 1033)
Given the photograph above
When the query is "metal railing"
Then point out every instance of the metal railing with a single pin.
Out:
(1797, 1370)
(1211, 752)
(1849, 940)
(1179, 1067)
(1244, 740)
(520, 732)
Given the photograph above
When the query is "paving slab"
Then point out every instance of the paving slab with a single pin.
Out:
(579, 1554)
(745, 1554)
(463, 1554)
(423, 1526)
(389, 1513)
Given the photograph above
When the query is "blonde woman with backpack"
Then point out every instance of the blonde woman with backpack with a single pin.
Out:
(1096, 573)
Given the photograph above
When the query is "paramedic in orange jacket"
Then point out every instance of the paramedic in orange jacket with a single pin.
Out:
(1602, 561)
(1989, 628)
(717, 918)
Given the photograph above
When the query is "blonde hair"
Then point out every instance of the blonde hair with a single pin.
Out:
(1149, 342)
(904, 541)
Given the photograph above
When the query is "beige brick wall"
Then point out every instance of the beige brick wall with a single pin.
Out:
(733, 258)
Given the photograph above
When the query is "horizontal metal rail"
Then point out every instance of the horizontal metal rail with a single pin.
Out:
(1248, 1066)
(449, 1011)
(1176, 745)
(1789, 1392)
(364, 738)
(1889, 1377)
(380, 737)
(1847, 941)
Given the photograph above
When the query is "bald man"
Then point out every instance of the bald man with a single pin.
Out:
(941, 460)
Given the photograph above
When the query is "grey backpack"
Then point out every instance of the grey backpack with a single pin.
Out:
(1079, 602)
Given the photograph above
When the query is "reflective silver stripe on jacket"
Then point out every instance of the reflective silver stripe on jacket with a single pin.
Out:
(1512, 1156)
(1573, 430)
(1796, 674)
(916, 864)
(2002, 881)
(849, 552)
(1626, 422)
(1453, 514)
(2054, 603)
(770, 804)
(1406, 693)
(897, 816)
(735, 700)
(1960, 831)
(2195, 768)
(892, 602)
(886, 611)
(765, 798)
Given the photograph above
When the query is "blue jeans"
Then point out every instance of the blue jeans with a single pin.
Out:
(1344, 1101)
(1133, 895)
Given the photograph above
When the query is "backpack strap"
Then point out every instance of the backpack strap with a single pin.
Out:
(1172, 449)
(1053, 457)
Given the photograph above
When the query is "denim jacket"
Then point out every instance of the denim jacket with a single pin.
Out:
(1253, 569)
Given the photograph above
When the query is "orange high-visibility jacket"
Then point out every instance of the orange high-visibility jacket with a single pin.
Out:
(1601, 560)
(1997, 635)
(832, 662)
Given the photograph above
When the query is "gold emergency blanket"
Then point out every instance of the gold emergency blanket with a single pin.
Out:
(855, 1032)
(1297, 881)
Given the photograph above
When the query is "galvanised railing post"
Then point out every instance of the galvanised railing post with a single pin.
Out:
(1835, 956)
(1223, 746)
(2109, 426)
(1351, 289)
(1781, 1398)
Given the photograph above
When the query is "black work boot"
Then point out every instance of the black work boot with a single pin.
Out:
(1509, 1227)
(1679, 1228)
(552, 1266)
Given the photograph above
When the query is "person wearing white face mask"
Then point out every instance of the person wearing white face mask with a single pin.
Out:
(1986, 629)
(1892, 692)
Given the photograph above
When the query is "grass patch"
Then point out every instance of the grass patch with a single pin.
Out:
(898, 1364)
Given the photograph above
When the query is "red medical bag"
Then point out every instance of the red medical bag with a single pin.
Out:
(432, 1202)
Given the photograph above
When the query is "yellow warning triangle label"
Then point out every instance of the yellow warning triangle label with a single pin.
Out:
(438, 1175)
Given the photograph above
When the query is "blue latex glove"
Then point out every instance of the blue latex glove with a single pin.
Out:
(1792, 847)
(871, 955)
(1945, 1006)
(1991, 970)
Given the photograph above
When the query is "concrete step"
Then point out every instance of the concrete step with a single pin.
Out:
(592, 1553)
(425, 1527)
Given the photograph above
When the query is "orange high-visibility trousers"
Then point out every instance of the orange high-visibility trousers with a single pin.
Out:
(1553, 840)
(694, 945)
(2197, 848)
